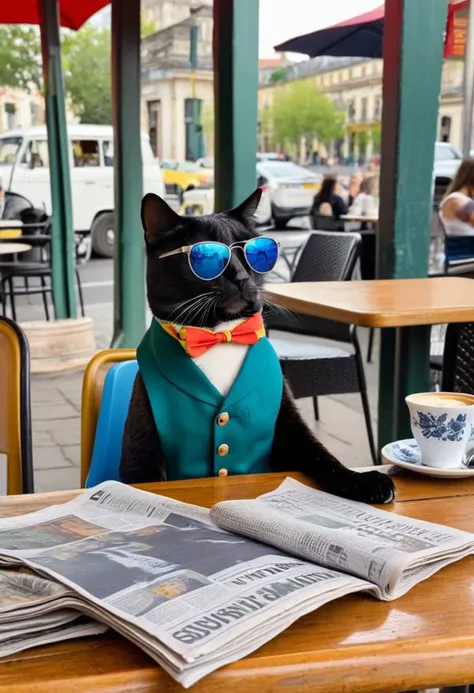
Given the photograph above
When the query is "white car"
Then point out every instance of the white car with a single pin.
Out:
(200, 201)
(447, 160)
(291, 189)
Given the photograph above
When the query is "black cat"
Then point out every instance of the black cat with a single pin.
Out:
(237, 294)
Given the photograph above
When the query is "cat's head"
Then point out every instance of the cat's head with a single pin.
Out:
(175, 293)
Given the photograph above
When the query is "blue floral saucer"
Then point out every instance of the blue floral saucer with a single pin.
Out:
(406, 454)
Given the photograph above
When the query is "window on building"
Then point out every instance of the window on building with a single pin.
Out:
(86, 153)
(37, 154)
(351, 110)
(35, 112)
(378, 108)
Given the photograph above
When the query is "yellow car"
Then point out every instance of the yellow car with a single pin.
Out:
(180, 176)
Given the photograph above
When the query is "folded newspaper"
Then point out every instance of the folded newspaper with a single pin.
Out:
(197, 589)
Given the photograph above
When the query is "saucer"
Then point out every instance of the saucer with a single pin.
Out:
(406, 454)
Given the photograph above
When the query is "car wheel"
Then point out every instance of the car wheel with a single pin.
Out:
(103, 235)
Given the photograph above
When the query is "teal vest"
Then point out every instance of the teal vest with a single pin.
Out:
(201, 432)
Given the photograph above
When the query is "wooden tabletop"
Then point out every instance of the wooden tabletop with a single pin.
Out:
(356, 644)
(381, 302)
(13, 248)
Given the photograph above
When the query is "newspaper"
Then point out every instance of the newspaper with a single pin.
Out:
(195, 596)
(392, 552)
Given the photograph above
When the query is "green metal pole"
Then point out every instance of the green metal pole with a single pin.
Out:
(129, 297)
(413, 55)
(62, 244)
(235, 100)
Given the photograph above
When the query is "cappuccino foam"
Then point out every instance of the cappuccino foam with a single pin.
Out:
(440, 399)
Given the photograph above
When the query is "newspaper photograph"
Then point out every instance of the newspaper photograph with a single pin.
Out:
(390, 551)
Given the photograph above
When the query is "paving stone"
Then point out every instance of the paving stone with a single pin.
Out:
(57, 479)
(54, 412)
(73, 454)
(42, 438)
(50, 457)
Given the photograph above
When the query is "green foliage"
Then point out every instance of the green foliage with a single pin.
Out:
(301, 110)
(20, 60)
(362, 139)
(377, 136)
(279, 75)
(87, 73)
(148, 26)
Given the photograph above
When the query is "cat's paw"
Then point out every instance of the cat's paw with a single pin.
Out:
(370, 487)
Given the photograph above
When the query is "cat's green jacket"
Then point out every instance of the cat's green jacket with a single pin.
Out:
(201, 432)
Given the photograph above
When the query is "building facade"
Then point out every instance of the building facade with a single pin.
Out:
(20, 109)
(177, 100)
(355, 87)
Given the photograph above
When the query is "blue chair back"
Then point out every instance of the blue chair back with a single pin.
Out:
(113, 412)
(459, 249)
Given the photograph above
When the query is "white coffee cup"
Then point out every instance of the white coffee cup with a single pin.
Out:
(441, 423)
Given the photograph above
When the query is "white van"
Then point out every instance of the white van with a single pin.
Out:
(24, 163)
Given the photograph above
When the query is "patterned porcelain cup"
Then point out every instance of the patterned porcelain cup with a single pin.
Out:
(441, 423)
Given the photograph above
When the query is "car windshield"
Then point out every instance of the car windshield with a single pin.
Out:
(444, 152)
(9, 147)
(285, 169)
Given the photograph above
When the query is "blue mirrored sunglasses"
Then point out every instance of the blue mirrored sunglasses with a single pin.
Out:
(210, 259)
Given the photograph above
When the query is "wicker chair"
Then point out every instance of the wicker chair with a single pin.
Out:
(458, 359)
(314, 369)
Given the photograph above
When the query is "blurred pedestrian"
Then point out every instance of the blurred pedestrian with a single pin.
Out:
(327, 201)
(457, 208)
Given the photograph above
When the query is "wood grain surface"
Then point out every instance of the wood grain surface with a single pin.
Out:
(381, 302)
(354, 645)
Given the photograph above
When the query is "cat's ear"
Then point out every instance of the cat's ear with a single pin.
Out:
(157, 217)
(246, 210)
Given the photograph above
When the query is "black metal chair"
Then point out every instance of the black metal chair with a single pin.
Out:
(312, 369)
(37, 266)
(324, 222)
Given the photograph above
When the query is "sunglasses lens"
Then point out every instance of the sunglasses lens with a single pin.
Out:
(208, 260)
(262, 254)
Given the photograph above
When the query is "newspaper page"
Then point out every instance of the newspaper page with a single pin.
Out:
(190, 594)
(391, 551)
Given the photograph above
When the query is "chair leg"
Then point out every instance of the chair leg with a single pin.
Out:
(79, 291)
(365, 399)
(44, 290)
(12, 298)
(316, 408)
(370, 347)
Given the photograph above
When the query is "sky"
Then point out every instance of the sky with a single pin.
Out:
(284, 19)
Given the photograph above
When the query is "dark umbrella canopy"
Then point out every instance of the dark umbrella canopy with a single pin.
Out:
(359, 37)
(72, 13)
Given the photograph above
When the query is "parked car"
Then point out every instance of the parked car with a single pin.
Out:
(206, 162)
(447, 160)
(24, 169)
(291, 189)
(180, 176)
(199, 201)
(271, 156)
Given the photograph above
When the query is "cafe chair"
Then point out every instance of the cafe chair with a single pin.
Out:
(314, 369)
(458, 358)
(106, 391)
(36, 267)
(324, 222)
(15, 411)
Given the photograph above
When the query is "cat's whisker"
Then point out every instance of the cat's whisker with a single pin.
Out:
(188, 309)
(197, 309)
(182, 304)
(206, 310)
(276, 308)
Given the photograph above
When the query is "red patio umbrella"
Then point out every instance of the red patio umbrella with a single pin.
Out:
(358, 37)
(72, 13)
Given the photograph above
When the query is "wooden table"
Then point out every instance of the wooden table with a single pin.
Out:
(362, 218)
(355, 645)
(13, 248)
(409, 305)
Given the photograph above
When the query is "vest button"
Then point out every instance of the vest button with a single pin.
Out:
(222, 472)
(222, 450)
(223, 419)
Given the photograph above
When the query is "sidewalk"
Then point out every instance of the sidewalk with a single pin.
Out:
(56, 407)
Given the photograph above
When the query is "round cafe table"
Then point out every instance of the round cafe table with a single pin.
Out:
(13, 248)
(360, 218)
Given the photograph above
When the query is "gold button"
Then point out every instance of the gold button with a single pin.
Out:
(223, 419)
(222, 472)
(222, 450)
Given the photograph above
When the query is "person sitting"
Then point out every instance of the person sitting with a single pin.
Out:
(366, 203)
(328, 202)
(456, 210)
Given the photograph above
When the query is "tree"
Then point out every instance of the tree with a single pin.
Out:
(300, 110)
(279, 75)
(87, 73)
(363, 139)
(377, 136)
(20, 57)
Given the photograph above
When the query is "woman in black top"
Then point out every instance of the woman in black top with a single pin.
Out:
(327, 202)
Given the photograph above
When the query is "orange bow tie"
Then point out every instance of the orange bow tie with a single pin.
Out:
(196, 340)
